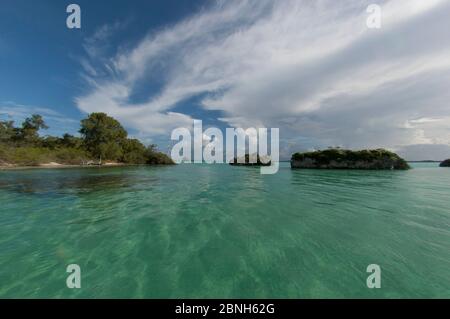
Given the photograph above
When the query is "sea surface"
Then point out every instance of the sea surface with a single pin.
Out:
(216, 231)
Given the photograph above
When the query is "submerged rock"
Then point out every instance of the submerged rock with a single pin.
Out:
(251, 160)
(347, 159)
(445, 163)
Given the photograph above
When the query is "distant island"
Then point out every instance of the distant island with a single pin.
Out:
(377, 159)
(424, 161)
(250, 160)
(103, 142)
(445, 163)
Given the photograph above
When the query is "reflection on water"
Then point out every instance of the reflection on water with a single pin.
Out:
(219, 231)
(53, 182)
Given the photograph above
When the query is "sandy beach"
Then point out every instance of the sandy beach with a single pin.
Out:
(7, 166)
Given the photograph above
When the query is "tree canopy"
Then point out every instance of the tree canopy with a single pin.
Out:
(31, 127)
(7, 131)
(103, 138)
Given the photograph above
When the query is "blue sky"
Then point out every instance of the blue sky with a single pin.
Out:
(312, 69)
(40, 57)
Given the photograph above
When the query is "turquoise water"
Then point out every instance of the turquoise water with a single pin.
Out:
(215, 231)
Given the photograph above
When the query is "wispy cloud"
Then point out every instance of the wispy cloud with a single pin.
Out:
(311, 68)
(58, 122)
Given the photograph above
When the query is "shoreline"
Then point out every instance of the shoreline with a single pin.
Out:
(53, 165)
(58, 165)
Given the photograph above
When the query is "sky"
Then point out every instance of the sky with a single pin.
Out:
(313, 69)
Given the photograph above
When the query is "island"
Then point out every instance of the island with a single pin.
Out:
(445, 163)
(102, 142)
(251, 160)
(336, 158)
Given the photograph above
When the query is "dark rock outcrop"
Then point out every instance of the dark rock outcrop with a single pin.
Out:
(346, 159)
(250, 160)
(445, 163)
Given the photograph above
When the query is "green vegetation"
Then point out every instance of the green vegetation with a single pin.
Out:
(445, 163)
(340, 158)
(103, 139)
(103, 136)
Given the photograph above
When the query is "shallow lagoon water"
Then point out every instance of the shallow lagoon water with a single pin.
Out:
(215, 231)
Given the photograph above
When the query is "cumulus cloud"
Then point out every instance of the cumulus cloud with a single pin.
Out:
(311, 68)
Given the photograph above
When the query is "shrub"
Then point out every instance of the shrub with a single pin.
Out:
(378, 157)
(70, 156)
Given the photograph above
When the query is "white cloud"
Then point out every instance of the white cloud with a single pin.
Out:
(311, 68)
(420, 152)
(15, 111)
(58, 123)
